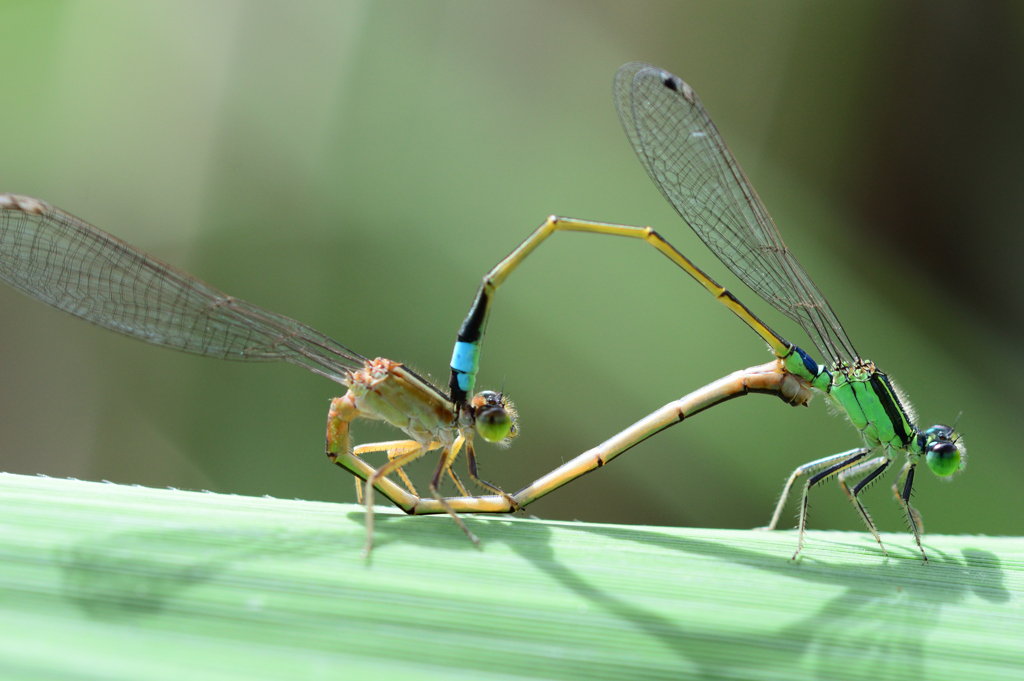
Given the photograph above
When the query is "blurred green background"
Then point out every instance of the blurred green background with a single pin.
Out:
(358, 166)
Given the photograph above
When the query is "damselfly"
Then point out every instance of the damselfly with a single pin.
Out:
(65, 262)
(682, 151)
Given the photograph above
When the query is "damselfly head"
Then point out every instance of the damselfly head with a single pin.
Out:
(495, 416)
(944, 450)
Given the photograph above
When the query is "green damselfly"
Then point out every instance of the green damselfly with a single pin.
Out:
(684, 154)
(65, 262)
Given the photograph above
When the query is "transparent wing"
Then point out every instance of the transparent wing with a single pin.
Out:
(686, 157)
(69, 264)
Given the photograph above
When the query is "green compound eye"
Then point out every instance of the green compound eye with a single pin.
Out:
(494, 424)
(495, 416)
(943, 458)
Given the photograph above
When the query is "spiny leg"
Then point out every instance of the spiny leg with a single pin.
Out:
(877, 466)
(804, 470)
(814, 480)
(445, 463)
(412, 504)
(362, 470)
(456, 480)
(832, 465)
(431, 447)
(913, 517)
(395, 448)
(382, 472)
(471, 464)
(394, 454)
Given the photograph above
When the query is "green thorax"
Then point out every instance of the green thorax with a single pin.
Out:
(866, 395)
(873, 405)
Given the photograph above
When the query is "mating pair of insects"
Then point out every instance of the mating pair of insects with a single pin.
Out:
(71, 265)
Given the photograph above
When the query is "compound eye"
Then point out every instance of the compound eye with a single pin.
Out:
(495, 416)
(943, 432)
(493, 423)
(943, 458)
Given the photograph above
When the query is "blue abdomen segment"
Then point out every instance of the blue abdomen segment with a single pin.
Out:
(465, 362)
(809, 363)
(799, 363)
